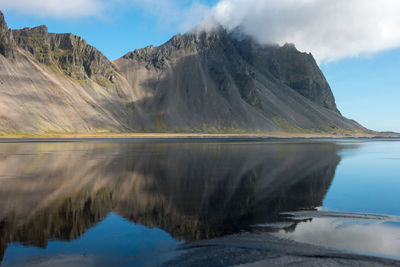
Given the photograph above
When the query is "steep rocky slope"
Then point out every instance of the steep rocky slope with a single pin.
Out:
(218, 81)
(58, 83)
(198, 82)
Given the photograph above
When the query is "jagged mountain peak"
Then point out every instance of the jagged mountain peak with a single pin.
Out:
(41, 30)
(193, 41)
(181, 45)
(6, 39)
(3, 23)
(68, 52)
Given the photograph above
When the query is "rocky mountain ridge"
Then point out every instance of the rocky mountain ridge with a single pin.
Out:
(202, 81)
(197, 78)
(68, 52)
(6, 38)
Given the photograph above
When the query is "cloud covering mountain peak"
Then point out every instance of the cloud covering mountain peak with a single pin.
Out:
(331, 30)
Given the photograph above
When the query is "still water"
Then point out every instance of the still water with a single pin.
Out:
(124, 202)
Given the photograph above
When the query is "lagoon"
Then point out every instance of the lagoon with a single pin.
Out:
(129, 201)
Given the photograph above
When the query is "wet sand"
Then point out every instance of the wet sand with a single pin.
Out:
(264, 249)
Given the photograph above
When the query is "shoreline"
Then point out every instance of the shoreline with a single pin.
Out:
(277, 135)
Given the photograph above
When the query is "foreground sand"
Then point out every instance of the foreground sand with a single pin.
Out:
(261, 248)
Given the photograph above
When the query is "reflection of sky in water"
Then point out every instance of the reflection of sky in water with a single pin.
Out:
(107, 244)
(367, 180)
(376, 237)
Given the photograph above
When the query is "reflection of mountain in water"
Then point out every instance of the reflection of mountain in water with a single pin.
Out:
(193, 191)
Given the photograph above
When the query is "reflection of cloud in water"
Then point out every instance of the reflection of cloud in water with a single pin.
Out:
(74, 260)
(359, 235)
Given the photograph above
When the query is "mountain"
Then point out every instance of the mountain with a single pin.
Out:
(57, 82)
(203, 81)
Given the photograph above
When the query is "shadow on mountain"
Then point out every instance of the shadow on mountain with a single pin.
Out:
(191, 190)
(215, 82)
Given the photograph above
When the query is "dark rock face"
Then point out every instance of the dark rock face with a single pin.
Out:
(291, 67)
(69, 52)
(35, 41)
(221, 81)
(6, 39)
(297, 70)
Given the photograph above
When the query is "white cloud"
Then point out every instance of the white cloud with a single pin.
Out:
(178, 14)
(55, 8)
(330, 29)
(193, 16)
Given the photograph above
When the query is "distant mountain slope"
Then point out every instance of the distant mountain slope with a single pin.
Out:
(56, 82)
(198, 82)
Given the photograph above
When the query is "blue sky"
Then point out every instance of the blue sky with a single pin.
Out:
(116, 32)
(367, 89)
(362, 67)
